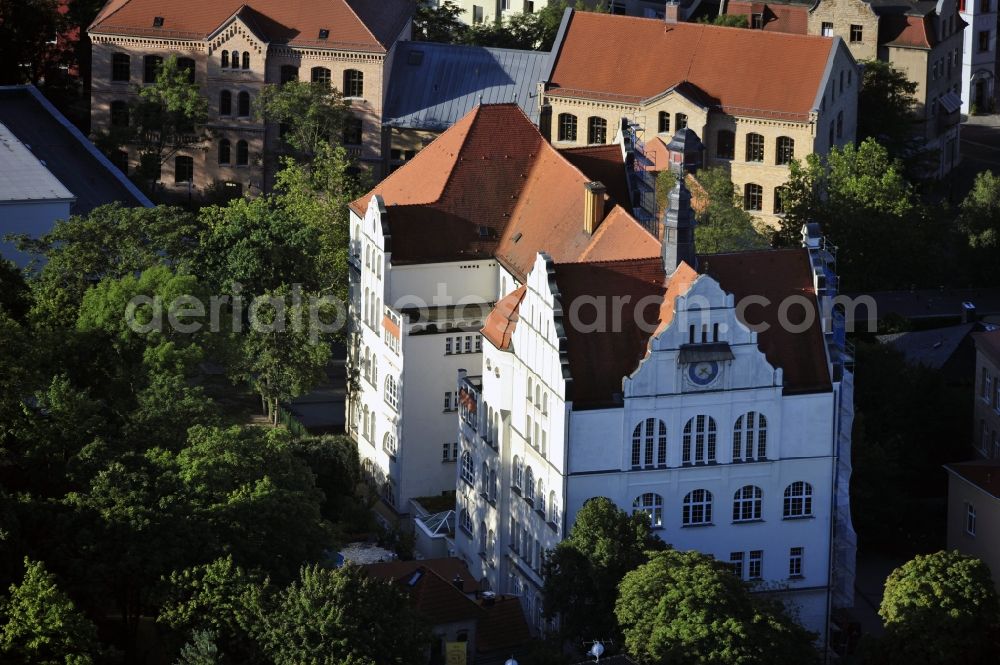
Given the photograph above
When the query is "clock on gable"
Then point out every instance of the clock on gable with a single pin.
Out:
(703, 373)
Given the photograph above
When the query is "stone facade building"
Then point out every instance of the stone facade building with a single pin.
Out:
(923, 39)
(974, 512)
(753, 111)
(233, 50)
(979, 55)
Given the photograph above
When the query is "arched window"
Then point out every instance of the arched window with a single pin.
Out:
(366, 365)
(529, 484)
(389, 444)
(649, 444)
(747, 503)
(680, 122)
(321, 75)
(242, 153)
(567, 127)
(664, 124)
(246, 59)
(798, 500)
(699, 440)
(538, 394)
(224, 62)
(364, 427)
(465, 521)
(493, 485)
(491, 545)
(753, 196)
(225, 151)
(468, 470)
(187, 65)
(183, 169)
(289, 73)
(597, 130)
(482, 538)
(225, 103)
(553, 515)
(243, 104)
(755, 148)
(121, 67)
(391, 392)
(540, 497)
(371, 427)
(527, 394)
(354, 83)
(545, 404)
(151, 68)
(785, 150)
(652, 505)
(725, 144)
(750, 437)
(119, 114)
(697, 507)
(374, 369)
(516, 472)
(779, 200)
(484, 480)
(235, 60)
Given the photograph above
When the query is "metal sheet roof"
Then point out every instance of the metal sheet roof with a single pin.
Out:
(433, 85)
(23, 177)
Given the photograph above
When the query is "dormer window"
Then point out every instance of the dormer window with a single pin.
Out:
(324, 33)
(157, 21)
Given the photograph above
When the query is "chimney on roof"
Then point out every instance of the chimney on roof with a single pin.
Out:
(593, 205)
(968, 312)
(672, 11)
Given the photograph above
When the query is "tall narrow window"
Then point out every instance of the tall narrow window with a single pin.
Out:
(756, 565)
(698, 445)
(567, 127)
(354, 83)
(243, 157)
(753, 197)
(353, 130)
(224, 59)
(246, 59)
(289, 73)
(151, 68)
(779, 200)
(755, 147)
(785, 150)
(681, 122)
(795, 562)
(750, 437)
(119, 114)
(725, 144)
(121, 67)
(321, 75)
(225, 151)
(597, 130)
(529, 484)
(225, 103)
(970, 519)
(183, 169)
(664, 126)
(243, 104)
(747, 503)
(235, 60)
(468, 469)
(187, 65)
(736, 563)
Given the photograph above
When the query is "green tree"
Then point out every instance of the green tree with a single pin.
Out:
(14, 297)
(334, 461)
(723, 224)
(886, 106)
(438, 23)
(26, 26)
(41, 625)
(311, 114)
(201, 650)
(859, 195)
(727, 20)
(686, 608)
(329, 617)
(583, 572)
(979, 223)
(940, 609)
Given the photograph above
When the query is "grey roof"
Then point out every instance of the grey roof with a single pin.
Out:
(930, 348)
(66, 153)
(434, 85)
(23, 177)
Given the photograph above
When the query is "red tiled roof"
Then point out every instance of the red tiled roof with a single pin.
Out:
(503, 627)
(447, 567)
(777, 275)
(988, 343)
(606, 165)
(362, 25)
(678, 284)
(778, 17)
(984, 474)
(501, 321)
(491, 186)
(908, 31)
(737, 68)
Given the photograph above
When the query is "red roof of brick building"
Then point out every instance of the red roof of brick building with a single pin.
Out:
(469, 195)
(736, 70)
(361, 25)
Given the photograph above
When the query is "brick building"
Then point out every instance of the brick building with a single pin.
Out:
(233, 50)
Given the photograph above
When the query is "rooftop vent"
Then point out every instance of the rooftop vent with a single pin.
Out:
(517, 236)
(324, 33)
(157, 21)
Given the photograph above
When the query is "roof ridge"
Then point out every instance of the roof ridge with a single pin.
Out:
(700, 26)
(109, 15)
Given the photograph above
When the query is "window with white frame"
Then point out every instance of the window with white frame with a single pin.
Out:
(493, 485)
(649, 444)
(447, 345)
(755, 565)
(468, 470)
(795, 561)
(449, 401)
(516, 472)
(697, 507)
(391, 392)
(698, 446)
(970, 519)
(750, 437)
(553, 514)
(736, 563)
(484, 479)
(651, 504)
(540, 497)
(389, 444)
(798, 500)
(482, 538)
(747, 503)
(446, 451)
(529, 484)
(465, 522)
(986, 385)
